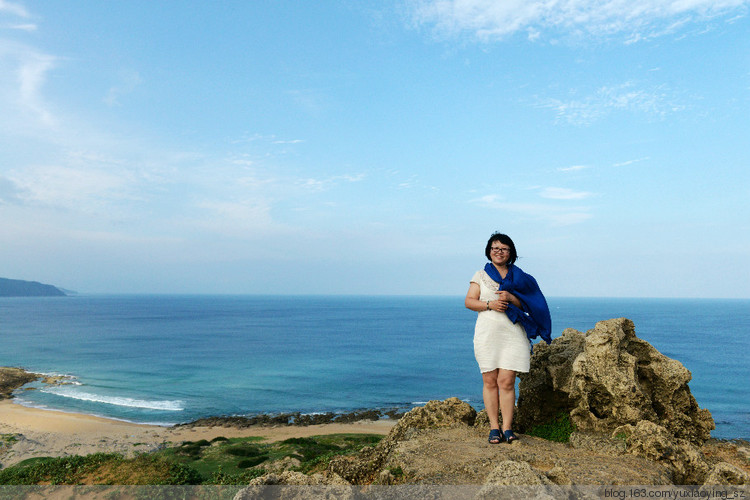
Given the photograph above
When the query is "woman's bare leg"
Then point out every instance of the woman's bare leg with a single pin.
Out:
(506, 382)
(491, 397)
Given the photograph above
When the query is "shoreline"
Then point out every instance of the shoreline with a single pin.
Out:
(32, 432)
(28, 432)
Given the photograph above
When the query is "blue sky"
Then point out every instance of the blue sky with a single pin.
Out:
(372, 147)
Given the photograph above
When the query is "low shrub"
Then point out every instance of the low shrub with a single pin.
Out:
(558, 430)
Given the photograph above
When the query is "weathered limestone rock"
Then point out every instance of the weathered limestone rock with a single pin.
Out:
(435, 414)
(726, 473)
(364, 467)
(298, 479)
(654, 442)
(13, 378)
(295, 485)
(606, 378)
(361, 468)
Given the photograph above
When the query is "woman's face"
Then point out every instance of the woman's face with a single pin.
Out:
(499, 253)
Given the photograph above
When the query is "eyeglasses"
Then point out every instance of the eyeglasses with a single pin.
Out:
(500, 250)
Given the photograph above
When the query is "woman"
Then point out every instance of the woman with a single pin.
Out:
(512, 311)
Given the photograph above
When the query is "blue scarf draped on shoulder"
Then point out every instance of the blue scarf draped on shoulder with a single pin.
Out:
(534, 315)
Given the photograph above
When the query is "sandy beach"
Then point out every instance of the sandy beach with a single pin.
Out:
(30, 432)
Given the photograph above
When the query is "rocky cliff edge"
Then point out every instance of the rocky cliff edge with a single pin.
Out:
(636, 424)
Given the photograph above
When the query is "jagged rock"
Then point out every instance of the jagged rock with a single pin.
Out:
(364, 467)
(654, 442)
(435, 414)
(299, 479)
(606, 378)
(726, 473)
(295, 485)
(13, 378)
(361, 468)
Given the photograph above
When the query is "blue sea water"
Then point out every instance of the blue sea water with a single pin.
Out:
(171, 359)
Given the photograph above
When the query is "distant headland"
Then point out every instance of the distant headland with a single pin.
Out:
(21, 288)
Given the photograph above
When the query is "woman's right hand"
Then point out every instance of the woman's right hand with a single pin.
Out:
(498, 305)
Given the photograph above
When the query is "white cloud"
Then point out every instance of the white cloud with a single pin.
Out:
(326, 183)
(555, 215)
(23, 73)
(556, 193)
(573, 168)
(630, 162)
(657, 102)
(292, 141)
(67, 187)
(24, 27)
(13, 8)
(637, 19)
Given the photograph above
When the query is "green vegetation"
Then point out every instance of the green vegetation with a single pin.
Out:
(99, 468)
(558, 429)
(8, 439)
(221, 461)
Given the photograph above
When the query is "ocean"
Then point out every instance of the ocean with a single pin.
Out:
(168, 359)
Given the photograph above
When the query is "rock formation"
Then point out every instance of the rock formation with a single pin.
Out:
(614, 384)
(606, 378)
(13, 378)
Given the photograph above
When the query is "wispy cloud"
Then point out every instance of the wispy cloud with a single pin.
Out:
(29, 27)
(68, 187)
(23, 73)
(554, 214)
(630, 162)
(314, 184)
(655, 101)
(489, 20)
(13, 8)
(291, 141)
(573, 168)
(557, 193)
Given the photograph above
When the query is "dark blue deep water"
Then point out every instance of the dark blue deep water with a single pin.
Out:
(169, 359)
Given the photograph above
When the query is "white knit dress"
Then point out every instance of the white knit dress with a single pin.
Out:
(498, 343)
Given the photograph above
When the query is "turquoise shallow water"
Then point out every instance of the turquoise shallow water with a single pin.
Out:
(169, 359)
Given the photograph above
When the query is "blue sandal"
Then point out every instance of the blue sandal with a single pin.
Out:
(509, 436)
(495, 437)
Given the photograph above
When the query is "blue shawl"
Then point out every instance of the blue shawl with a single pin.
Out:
(534, 315)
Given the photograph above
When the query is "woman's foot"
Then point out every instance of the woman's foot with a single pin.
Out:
(495, 437)
(509, 436)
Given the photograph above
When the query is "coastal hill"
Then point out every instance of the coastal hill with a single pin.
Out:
(596, 408)
(611, 409)
(21, 288)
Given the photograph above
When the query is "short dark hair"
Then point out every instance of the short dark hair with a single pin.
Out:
(505, 240)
